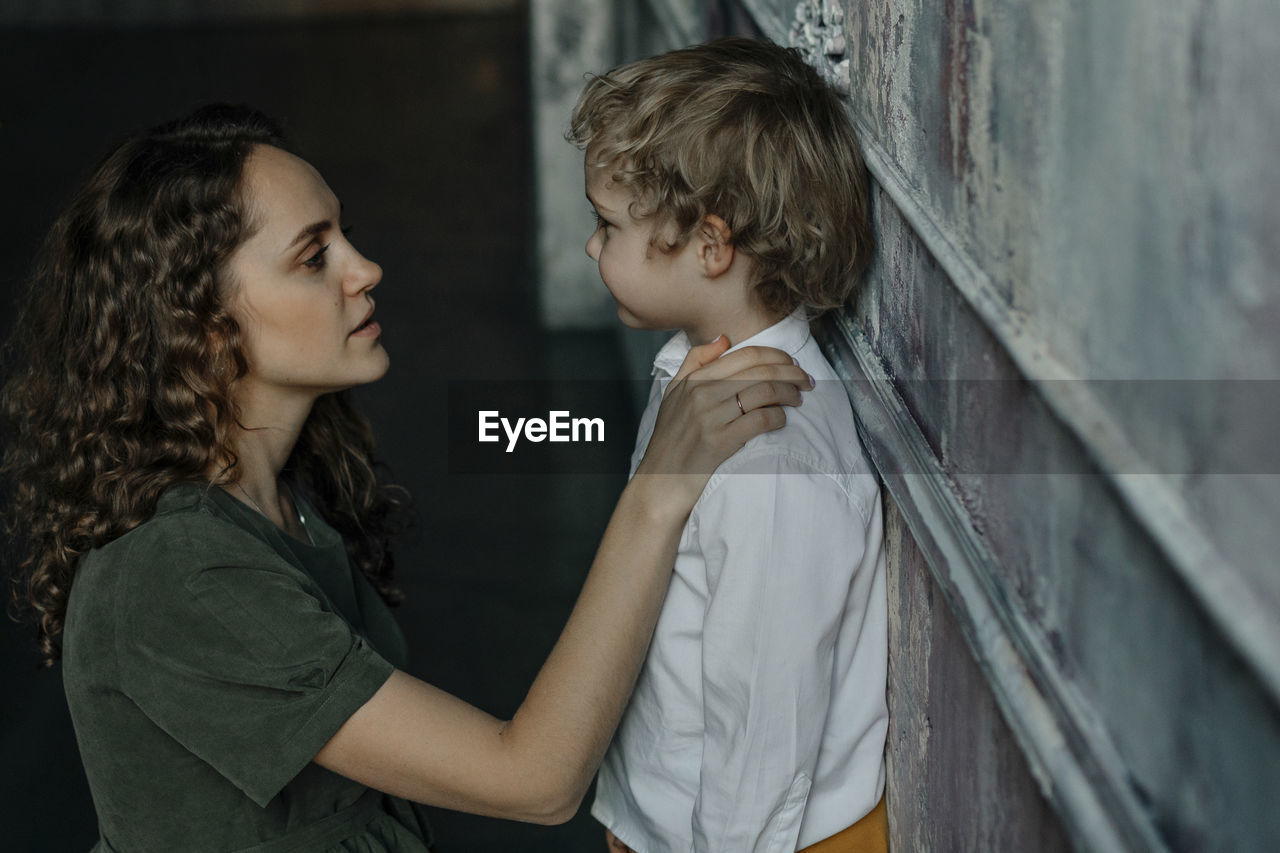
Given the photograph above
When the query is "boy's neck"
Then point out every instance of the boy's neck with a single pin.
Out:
(738, 326)
(720, 298)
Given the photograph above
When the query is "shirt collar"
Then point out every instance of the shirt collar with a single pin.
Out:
(789, 334)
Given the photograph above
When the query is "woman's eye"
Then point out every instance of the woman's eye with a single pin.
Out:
(316, 261)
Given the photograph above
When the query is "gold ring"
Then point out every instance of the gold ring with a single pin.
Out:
(739, 400)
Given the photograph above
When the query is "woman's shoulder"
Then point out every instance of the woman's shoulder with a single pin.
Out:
(187, 515)
(191, 531)
(154, 578)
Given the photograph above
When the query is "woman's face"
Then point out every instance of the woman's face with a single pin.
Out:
(299, 290)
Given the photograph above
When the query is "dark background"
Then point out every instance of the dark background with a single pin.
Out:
(421, 126)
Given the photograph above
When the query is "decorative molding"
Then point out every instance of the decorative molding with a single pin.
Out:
(818, 31)
(1068, 750)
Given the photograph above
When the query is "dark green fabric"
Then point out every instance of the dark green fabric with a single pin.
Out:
(207, 658)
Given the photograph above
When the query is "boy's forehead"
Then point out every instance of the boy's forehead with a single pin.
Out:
(598, 169)
(591, 156)
(593, 166)
(603, 190)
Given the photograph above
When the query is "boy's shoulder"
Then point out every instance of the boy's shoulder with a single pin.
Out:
(820, 439)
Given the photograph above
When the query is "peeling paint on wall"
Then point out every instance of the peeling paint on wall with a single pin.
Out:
(1081, 161)
(959, 780)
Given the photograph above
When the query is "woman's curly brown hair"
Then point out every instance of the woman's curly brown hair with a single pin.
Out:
(121, 366)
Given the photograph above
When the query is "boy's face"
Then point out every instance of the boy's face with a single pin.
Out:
(654, 289)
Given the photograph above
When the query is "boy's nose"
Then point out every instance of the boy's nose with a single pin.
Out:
(593, 246)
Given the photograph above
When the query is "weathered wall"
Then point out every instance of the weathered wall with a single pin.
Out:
(1065, 359)
(570, 39)
(1138, 716)
(1100, 176)
(948, 743)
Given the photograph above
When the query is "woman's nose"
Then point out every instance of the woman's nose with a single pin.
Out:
(365, 275)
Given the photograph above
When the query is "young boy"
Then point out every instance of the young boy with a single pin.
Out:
(730, 198)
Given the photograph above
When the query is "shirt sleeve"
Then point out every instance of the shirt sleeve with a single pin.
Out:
(781, 546)
(234, 654)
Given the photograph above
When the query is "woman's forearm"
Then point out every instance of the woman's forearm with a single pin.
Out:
(416, 741)
(567, 719)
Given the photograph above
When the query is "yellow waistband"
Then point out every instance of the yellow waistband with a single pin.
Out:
(869, 835)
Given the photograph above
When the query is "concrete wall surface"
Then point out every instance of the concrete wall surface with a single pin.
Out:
(948, 743)
(1065, 360)
(570, 39)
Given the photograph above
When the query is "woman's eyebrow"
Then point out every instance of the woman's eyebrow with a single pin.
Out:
(314, 228)
(309, 232)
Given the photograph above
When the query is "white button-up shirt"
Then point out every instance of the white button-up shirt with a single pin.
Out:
(758, 722)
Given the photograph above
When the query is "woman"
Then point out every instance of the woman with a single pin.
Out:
(195, 496)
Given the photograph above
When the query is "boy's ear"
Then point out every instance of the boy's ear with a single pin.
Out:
(715, 245)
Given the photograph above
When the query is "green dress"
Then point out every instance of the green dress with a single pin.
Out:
(207, 658)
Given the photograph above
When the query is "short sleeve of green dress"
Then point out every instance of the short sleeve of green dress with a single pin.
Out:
(207, 658)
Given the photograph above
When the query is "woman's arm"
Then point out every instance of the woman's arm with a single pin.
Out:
(415, 741)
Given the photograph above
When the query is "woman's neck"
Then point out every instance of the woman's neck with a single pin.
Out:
(263, 442)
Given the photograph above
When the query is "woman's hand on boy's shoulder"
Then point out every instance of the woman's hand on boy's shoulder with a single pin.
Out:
(730, 398)
(711, 408)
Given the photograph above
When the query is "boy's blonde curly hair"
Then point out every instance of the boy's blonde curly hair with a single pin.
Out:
(747, 131)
